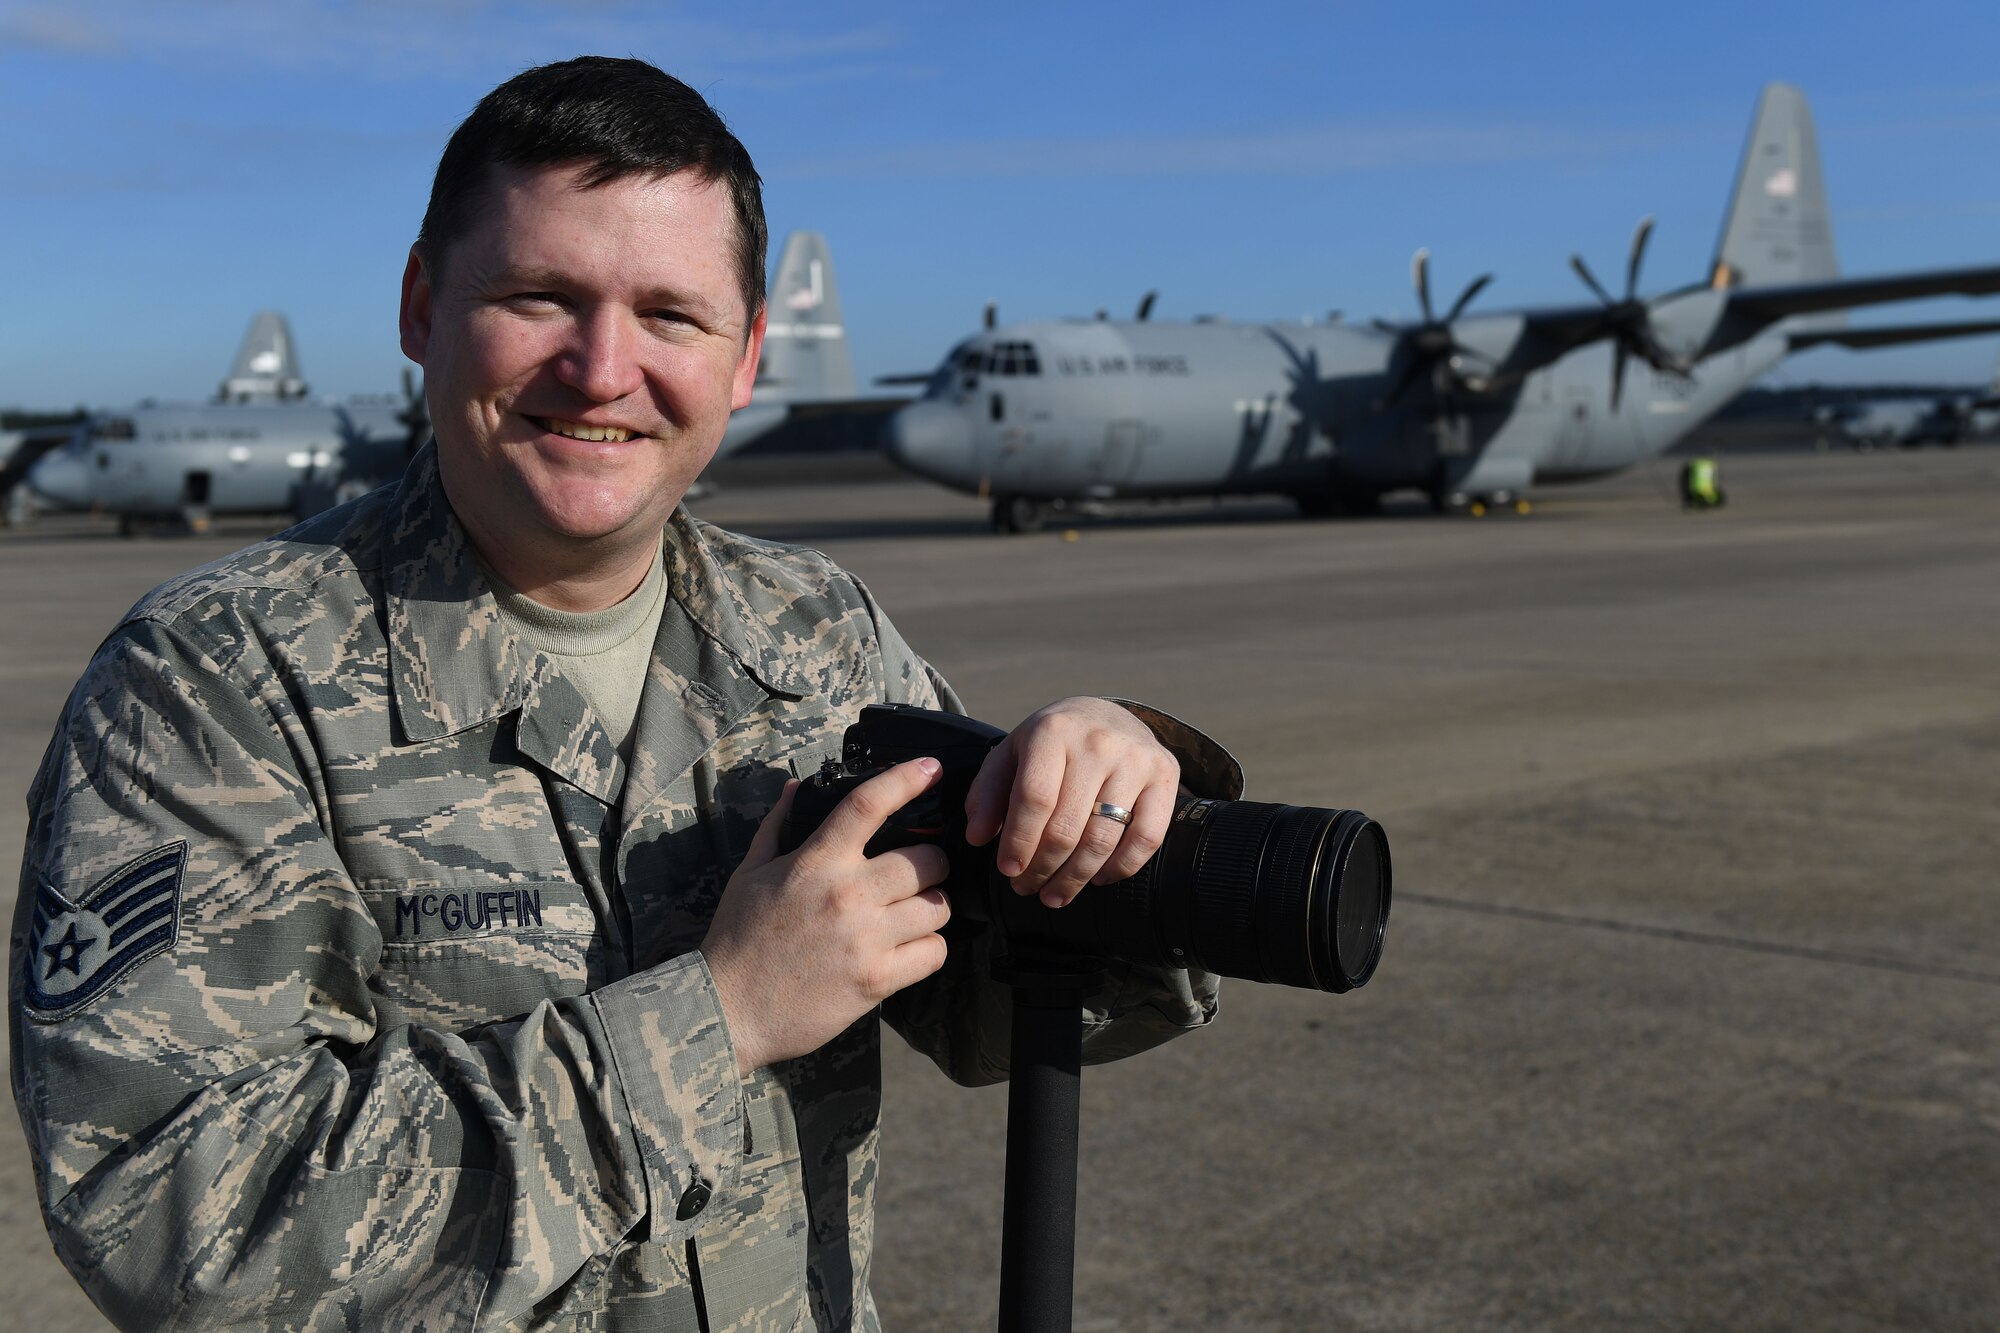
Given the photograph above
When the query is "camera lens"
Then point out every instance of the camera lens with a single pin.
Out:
(1292, 894)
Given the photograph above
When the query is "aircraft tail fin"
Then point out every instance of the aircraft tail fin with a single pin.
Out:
(267, 364)
(806, 355)
(1779, 230)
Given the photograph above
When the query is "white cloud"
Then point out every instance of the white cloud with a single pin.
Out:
(40, 29)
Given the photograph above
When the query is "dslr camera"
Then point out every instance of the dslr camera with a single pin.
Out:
(1292, 894)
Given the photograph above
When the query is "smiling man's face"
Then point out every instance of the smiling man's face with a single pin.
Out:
(582, 351)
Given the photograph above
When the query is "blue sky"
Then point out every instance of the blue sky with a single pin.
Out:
(171, 167)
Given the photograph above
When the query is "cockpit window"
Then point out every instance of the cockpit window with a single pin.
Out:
(112, 428)
(1007, 358)
(947, 371)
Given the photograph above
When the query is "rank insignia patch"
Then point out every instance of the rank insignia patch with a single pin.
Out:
(77, 949)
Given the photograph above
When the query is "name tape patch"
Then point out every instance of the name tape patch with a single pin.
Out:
(444, 914)
(76, 950)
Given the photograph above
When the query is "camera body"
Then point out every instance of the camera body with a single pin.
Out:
(1297, 895)
(890, 734)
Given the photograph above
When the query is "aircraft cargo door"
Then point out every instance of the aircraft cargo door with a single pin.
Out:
(1125, 445)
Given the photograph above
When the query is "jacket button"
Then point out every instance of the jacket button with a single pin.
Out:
(694, 1200)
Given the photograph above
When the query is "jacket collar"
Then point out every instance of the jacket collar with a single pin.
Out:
(452, 660)
(715, 599)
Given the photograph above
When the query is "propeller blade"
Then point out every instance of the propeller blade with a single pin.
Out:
(1618, 375)
(1639, 239)
(1590, 279)
(1411, 369)
(1465, 297)
(992, 313)
(1420, 274)
(1146, 306)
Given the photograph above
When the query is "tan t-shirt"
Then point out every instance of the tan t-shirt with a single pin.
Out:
(603, 653)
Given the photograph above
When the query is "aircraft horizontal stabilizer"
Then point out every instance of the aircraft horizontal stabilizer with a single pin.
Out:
(1891, 334)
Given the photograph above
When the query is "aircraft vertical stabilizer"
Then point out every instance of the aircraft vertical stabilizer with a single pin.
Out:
(1779, 230)
(805, 344)
(267, 366)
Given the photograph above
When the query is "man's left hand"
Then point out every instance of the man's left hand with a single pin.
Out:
(1040, 788)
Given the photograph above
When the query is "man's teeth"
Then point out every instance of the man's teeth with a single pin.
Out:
(576, 430)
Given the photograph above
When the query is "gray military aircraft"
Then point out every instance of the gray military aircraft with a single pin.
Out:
(249, 451)
(1946, 419)
(262, 446)
(1469, 408)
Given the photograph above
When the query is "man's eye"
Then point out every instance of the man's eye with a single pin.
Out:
(534, 299)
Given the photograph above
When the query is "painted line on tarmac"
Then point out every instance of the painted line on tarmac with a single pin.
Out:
(1875, 961)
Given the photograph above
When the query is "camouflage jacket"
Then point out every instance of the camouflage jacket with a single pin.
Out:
(355, 983)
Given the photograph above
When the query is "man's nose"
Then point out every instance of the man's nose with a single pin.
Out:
(602, 361)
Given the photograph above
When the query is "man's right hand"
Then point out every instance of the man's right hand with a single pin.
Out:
(804, 944)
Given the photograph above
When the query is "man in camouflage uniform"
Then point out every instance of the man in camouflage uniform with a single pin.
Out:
(363, 979)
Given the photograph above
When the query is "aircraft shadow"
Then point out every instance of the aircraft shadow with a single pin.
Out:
(1167, 514)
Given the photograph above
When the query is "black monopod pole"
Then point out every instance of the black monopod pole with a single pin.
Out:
(1038, 1226)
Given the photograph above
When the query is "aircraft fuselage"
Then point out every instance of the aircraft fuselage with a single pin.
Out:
(221, 459)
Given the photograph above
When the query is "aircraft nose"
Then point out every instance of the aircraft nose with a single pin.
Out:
(930, 439)
(61, 477)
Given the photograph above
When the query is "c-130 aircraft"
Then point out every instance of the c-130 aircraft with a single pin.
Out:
(1468, 408)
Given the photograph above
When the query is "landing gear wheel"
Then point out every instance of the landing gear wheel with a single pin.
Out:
(1018, 513)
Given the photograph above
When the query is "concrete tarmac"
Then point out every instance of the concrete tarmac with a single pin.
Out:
(1688, 1012)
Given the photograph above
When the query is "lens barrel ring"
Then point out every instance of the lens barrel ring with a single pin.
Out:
(1223, 891)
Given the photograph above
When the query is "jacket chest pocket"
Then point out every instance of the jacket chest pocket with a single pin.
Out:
(458, 954)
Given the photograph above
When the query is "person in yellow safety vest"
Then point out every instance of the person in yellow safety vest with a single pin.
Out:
(1699, 489)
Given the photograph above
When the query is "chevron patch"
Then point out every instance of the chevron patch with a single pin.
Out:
(77, 949)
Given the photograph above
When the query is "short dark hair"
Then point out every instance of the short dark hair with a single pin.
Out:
(617, 117)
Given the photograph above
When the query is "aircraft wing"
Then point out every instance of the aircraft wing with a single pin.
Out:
(809, 409)
(1768, 304)
(1510, 344)
(811, 424)
(1890, 334)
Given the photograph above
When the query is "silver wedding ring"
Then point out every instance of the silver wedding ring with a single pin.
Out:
(1117, 812)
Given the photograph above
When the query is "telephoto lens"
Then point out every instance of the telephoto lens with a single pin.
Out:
(1291, 894)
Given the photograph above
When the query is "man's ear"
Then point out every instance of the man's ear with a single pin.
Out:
(415, 319)
(746, 367)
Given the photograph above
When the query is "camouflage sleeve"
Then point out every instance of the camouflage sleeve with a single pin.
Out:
(222, 1132)
(959, 1016)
